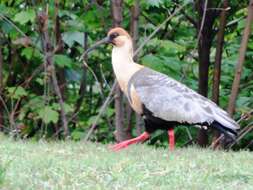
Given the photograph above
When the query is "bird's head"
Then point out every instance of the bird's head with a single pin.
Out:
(118, 37)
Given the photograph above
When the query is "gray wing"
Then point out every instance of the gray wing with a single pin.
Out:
(172, 101)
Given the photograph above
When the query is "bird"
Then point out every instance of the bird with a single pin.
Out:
(162, 101)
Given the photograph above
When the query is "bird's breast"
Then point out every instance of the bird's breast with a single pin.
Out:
(135, 101)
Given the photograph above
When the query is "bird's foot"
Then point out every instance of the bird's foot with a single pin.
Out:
(144, 136)
(171, 139)
(119, 146)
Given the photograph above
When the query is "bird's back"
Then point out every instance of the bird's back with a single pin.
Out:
(171, 100)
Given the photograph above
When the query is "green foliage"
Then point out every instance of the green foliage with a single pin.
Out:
(25, 16)
(30, 52)
(47, 114)
(62, 60)
(71, 37)
(16, 92)
(27, 85)
(77, 135)
(154, 3)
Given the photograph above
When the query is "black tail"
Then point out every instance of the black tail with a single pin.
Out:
(230, 133)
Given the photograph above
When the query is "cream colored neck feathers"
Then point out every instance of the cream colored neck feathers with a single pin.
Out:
(122, 61)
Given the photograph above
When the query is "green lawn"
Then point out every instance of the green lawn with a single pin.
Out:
(71, 165)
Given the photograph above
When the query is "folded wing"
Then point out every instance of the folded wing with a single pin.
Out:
(170, 100)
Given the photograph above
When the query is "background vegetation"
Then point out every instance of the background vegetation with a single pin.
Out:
(47, 92)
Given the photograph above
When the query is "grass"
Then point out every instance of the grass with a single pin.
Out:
(70, 165)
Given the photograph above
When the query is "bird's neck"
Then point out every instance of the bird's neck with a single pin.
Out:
(123, 65)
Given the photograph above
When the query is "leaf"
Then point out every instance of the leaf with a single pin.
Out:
(40, 81)
(48, 115)
(33, 106)
(71, 37)
(154, 3)
(16, 92)
(110, 112)
(73, 75)
(67, 107)
(25, 16)
(36, 102)
(77, 135)
(63, 13)
(92, 119)
(172, 46)
(62, 60)
(31, 52)
(243, 101)
(27, 53)
(167, 65)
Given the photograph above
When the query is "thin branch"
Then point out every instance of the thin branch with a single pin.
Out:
(13, 25)
(48, 52)
(1, 86)
(248, 128)
(239, 65)
(218, 54)
(216, 142)
(220, 9)
(103, 77)
(202, 21)
(95, 77)
(148, 19)
(101, 111)
(5, 106)
(158, 28)
(245, 116)
(82, 88)
(234, 22)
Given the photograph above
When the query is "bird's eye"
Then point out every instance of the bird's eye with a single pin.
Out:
(114, 35)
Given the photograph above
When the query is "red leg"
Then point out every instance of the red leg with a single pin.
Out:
(171, 139)
(144, 136)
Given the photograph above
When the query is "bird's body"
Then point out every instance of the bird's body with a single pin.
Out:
(171, 101)
(162, 101)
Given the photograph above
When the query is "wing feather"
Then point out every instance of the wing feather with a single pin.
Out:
(170, 100)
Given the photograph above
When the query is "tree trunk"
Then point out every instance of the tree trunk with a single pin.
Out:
(121, 133)
(205, 37)
(239, 66)
(116, 6)
(218, 59)
(59, 49)
(204, 53)
(218, 55)
(134, 30)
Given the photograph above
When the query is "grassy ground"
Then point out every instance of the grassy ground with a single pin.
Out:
(70, 165)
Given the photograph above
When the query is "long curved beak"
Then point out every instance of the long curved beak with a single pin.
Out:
(105, 40)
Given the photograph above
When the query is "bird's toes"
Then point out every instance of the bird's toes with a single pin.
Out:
(118, 146)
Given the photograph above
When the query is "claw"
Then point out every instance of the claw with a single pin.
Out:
(119, 146)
